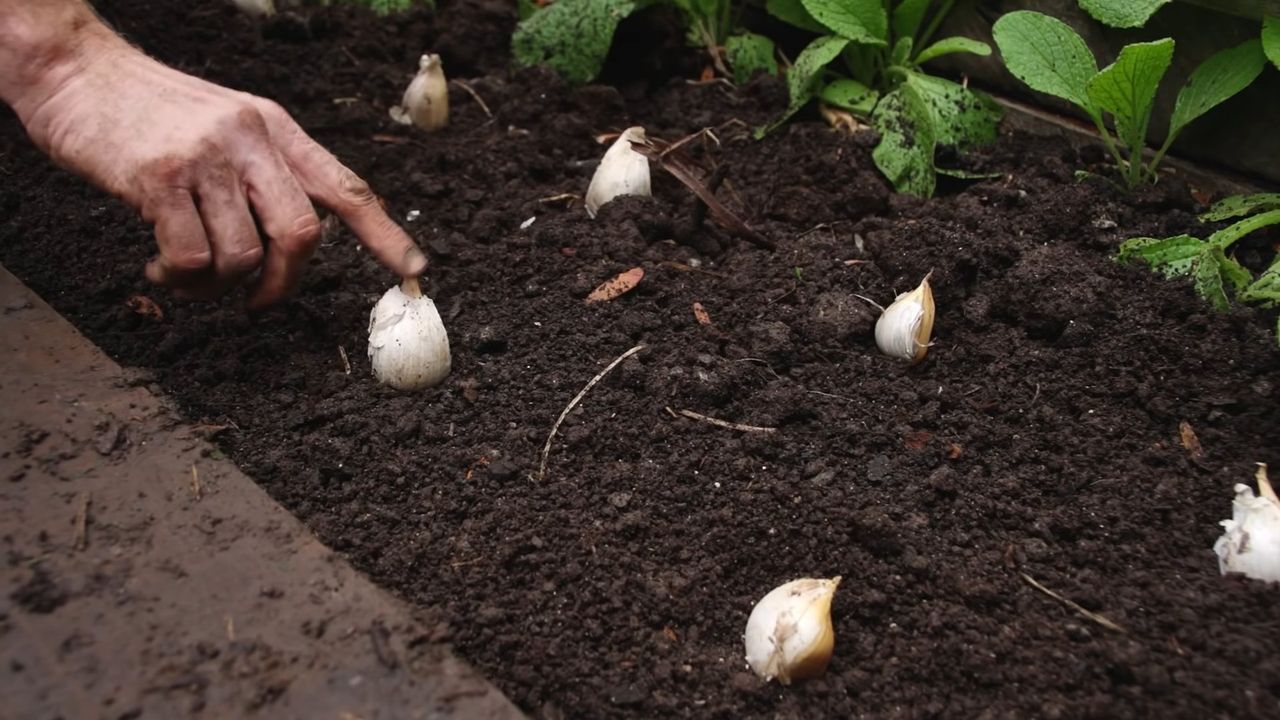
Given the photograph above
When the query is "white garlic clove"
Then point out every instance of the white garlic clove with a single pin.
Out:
(622, 171)
(408, 345)
(789, 634)
(426, 100)
(1250, 542)
(256, 8)
(904, 328)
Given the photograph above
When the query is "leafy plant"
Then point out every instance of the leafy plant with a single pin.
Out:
(1214, 271)
(385, 7)
(1271, 38)
(574, 36)
(1050, 57)
(867, 61)
(1122, 13)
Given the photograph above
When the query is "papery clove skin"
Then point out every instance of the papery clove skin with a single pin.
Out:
(408, 345)
(256, 8)
(789, 635)
(1250, 541)
(905, 327)
(622, 171)
(426, 101)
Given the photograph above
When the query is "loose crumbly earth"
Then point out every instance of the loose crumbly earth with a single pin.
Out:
(1040, 437)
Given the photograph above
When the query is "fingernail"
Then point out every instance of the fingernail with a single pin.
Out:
(415, 263)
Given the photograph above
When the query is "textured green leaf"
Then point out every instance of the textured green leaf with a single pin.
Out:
(1225, 237)
(907, 141)
(572, 36)
(862, 21)
(1271, 38)
(792, 12)
(949, 45)
(1224, 74)
(1240, 205)
(961, 117)
(1208, 281)
(1127, 88)
(901, 51)
(1172, 256)
(1266, 289)
(1046, 54)
(748, 54)
(809, 64)
(908, 16)
(1122, 13)
(850, 95)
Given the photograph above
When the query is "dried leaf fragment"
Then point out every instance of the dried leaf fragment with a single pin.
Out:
(700, 313)
(1189, 440)
(916, 439)
(145, 306)
(619, 285)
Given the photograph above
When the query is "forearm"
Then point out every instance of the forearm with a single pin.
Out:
(43, 43)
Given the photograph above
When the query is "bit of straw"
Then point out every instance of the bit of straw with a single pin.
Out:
(546, 449)
(1081, 610)
(721, 423)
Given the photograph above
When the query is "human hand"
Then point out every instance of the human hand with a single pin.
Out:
(202, 162)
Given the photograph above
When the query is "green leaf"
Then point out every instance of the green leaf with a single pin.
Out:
(1271, 38)
(901, 51)
(1208, 281)
(1214, 272)
(1047, 55)
(1239, 205)
(1127, 88)
(961, 117)
(850, 95)
(1266, 289)
(1122, 13)
(907, 141)
(572, 36)
(748, 54)
(808, 66)
(525, 9)
(1172, 256)
(908, 16)
(792, 12)
(1225, 237)
(1224, 74)
(946, 46)
(862, 21)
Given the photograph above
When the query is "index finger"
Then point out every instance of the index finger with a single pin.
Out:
(336, 187)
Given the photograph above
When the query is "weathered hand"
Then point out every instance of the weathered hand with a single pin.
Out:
(202, 162)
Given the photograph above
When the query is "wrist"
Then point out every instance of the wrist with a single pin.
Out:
(43, 46)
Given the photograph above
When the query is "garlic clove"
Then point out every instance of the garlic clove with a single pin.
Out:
(426, 100)
(1250, 541)
(256, 8)
(408, 345)
(789, 634)
(622, 171)
(904, 328)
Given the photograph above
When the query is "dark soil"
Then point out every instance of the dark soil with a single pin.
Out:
(1040, 436)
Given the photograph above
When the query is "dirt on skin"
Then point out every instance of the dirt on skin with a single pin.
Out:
(1040, 438)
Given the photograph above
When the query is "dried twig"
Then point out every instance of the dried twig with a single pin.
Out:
(81, 539)
(546, 449)
(686, 172)
(1081, 610)
(474, 95)
(346, 363)
(722, 423)
(197, 491)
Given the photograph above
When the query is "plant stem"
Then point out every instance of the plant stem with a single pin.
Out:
(934, 23)
(1106, 139)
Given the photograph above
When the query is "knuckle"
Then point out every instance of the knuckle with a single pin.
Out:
(247, 116)
(189, 261)
(243, 261)
(166, 170)
(355, 190)
(304, 234)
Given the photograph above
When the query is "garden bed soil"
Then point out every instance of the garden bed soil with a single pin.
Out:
(1040, 438)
